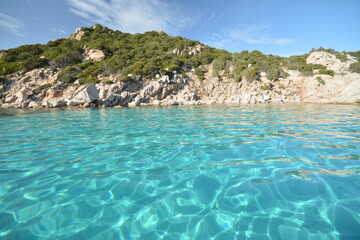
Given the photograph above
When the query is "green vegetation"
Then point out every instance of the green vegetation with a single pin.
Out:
(327, 72)
(342, 57)
(355, 54)
(299, 63)
(265, 87)
(108, 82)
(44, 86)
(200, 73)
(149, 54)
(320, 80)
(355, 67)
(251, 74)
(322, 49)
(89, 79)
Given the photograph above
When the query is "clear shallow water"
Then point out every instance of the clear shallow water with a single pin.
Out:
(218, 172)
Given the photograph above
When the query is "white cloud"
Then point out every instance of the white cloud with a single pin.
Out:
(269, 40)
(251, 34)
(133, 16)
(11, 25)
(58, 30)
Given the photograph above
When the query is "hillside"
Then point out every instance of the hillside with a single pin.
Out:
(101, 67)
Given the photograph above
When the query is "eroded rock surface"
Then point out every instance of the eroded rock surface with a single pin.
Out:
(330, 61)
(40, 88)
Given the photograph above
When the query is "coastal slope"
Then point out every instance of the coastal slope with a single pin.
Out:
(101, 67)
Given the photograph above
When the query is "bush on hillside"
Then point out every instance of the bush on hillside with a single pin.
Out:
(69, 75)
(9, 67)
(327, 72)
(342, 57)
(200, 73)
(34, 62)
(88, 80)
(320, 80)
(355, 54)
(322, 49)
(250, 74)
(276, 73)
(355, 67)
(147, 55)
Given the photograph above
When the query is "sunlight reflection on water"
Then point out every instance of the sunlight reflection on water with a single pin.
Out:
(202, 172)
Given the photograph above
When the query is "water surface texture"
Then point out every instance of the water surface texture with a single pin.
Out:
(217, 172)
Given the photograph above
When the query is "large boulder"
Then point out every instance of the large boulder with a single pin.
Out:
(152, 89)
(34, 104)
(93, 54)
(56, 103)
(87, 94)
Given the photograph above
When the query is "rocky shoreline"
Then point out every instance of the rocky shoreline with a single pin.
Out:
(39, 88)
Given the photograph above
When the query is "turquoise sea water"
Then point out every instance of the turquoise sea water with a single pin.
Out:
(216, 172)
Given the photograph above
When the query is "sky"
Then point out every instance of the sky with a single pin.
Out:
(278, 27)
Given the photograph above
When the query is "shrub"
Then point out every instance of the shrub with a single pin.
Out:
(322, 49)
(88, 80)
(69, 74)
(34, 62)
(327, 72)
(276, 73)
(200, 73)
(355, 67)
(320, 80)
(220, 63)
(341, 57)
(240, 65)
(44, 86)
(318, 66)
(299, 63)
(355, 54)
(265, 87)
(124, 78)
(9, 67)
(23, 52)
(64, 60)
(109, 82)
(251, 74)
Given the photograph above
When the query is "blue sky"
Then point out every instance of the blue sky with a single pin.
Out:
(279, 27)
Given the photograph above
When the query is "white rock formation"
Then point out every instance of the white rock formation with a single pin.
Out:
(78, 34)
(33, 104)
(86, 94)
(93, 54)
(330, 61)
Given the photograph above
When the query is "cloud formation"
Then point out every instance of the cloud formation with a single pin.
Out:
(133, 16)
(251, 34)
(11, 25)
(58, 30)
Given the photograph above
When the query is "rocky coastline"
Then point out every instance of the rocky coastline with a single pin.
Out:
(39, 88)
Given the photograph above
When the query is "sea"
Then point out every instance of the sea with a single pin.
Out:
(257, 172)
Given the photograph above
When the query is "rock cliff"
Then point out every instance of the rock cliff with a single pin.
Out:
(40, 88)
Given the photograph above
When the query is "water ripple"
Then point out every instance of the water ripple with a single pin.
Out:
(218, 172)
